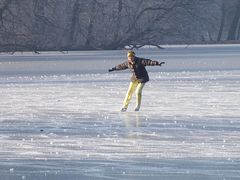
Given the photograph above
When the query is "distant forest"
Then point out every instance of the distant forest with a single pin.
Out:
(62, 25)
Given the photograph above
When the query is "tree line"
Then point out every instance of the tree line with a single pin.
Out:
(39, 25)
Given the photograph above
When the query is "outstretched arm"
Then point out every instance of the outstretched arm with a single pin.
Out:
(161, 63)
(148, 62)
(119, 67)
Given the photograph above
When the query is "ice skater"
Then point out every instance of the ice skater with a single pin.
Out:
(138, 79)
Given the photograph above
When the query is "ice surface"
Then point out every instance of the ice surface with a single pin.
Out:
(60, 118)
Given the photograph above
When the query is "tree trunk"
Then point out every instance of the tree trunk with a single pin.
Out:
(73, 24)
(222, 21)
(238, 37)
(120, 4)
(92, 17)
(234, 25)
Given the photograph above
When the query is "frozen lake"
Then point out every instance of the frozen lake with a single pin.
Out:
(60, 118)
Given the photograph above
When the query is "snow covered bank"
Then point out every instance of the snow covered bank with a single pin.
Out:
(176, 58)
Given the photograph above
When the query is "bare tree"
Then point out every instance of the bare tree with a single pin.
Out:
(25, 26)
(106, 24)
(146, 22)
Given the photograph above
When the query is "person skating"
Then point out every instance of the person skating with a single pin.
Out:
(138, 79)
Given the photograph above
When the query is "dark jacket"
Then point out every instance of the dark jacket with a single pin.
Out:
(138, 68)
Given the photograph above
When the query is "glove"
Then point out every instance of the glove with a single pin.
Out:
(112, 69)
(161, 63)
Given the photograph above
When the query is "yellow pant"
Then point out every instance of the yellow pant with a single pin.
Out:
(134, 86)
